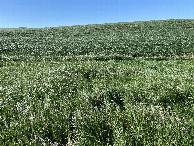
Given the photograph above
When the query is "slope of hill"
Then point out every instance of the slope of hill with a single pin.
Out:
(164, 38)
(106, 84)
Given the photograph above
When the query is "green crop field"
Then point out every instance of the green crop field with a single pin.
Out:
(129, 83)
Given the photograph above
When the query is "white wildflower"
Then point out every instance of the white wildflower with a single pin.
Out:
(1, 88)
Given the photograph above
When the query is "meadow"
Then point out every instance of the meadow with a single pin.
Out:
(128, 83)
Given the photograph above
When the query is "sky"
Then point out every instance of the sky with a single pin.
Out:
(53, 13)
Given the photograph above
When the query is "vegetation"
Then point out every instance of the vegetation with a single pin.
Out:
(136, 39)
(109, 84)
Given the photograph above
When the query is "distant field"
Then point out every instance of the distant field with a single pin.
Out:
(109, 84)
(137, 39)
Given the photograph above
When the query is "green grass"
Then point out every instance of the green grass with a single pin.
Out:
(137, 39)
(91, 102)
(109, 84)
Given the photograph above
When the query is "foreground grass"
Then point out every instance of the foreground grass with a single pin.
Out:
(97, 102)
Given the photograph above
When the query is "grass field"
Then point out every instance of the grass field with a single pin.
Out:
(110, 84)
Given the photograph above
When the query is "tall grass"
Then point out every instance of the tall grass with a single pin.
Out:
(89, 102)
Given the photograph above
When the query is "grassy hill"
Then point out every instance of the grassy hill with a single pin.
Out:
(137, 39)
(128, 83)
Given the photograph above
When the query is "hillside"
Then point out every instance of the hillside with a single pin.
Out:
(164, 38)
(103, 84)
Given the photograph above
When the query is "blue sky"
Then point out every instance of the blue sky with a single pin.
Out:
(51, 13)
